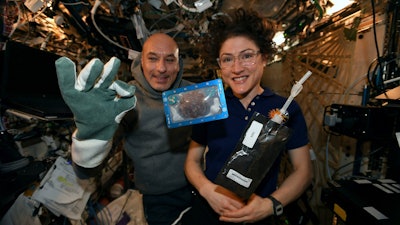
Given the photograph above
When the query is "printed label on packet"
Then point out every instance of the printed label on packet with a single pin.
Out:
(239, 178)
(252, 134)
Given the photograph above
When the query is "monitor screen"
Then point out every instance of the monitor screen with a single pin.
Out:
(29, 82)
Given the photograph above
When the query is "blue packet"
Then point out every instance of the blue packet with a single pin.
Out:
(197, 103)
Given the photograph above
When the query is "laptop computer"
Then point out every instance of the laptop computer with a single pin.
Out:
(29, 85)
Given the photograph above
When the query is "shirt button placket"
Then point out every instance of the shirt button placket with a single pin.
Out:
(249, 109)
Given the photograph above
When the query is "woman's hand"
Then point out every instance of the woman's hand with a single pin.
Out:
(219, 202)
(256, 209)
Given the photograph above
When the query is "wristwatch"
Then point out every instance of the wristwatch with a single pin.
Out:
(278, 207)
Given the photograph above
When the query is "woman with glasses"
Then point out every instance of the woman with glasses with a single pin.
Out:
(241, 43)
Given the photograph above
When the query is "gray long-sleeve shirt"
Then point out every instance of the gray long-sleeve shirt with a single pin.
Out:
(158, 153)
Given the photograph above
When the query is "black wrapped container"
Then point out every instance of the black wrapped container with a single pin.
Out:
(259, 146)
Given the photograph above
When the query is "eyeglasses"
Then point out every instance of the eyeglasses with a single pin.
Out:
(245, 58)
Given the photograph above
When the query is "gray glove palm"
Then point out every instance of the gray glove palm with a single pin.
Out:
(98, 103)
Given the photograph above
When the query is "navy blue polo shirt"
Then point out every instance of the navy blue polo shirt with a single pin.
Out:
(221, 136)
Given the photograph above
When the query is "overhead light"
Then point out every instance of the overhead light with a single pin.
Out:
(337, 5)
(279, 38)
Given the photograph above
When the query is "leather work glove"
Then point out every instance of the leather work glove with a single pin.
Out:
(98, 103)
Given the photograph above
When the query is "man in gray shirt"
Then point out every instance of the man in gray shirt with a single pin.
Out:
(157, 153)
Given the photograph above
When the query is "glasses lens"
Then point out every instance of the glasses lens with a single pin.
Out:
(248, 58)
(245, 58)
(226, 61)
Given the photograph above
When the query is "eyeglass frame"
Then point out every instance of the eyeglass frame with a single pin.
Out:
(254, 53)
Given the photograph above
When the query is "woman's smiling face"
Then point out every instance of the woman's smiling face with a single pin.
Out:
(242, 77)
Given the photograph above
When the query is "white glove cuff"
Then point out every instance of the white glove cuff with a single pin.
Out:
(89, 153)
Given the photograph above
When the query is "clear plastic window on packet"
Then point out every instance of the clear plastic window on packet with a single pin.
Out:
(197, 103)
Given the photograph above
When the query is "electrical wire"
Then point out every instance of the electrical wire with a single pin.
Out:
(374, 28)
(351, 86)
(378, 69)
(75, 3)
(349, 163)
(161, 19)
(374, 78)
(176, 222)
(92, 14)
(327, 157)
